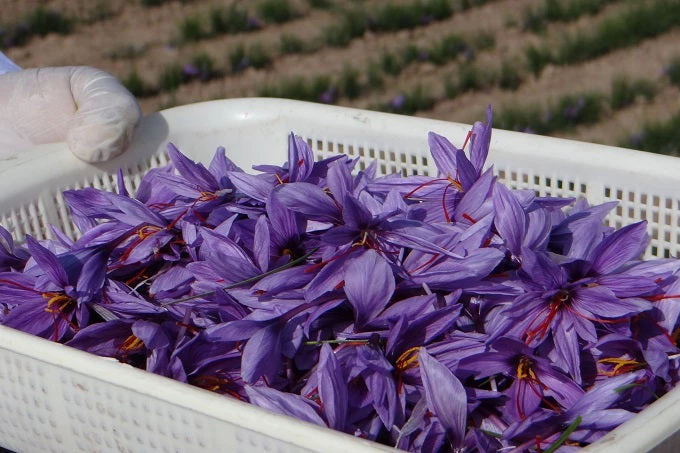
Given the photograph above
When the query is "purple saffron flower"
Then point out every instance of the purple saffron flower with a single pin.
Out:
(535, 381)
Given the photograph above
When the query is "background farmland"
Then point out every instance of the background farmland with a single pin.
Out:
(605, 71)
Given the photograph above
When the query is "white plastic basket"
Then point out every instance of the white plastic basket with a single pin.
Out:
(56, 399)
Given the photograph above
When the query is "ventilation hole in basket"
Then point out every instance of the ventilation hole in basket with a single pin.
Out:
(383, 169)
(392, 156)
(525, 178)
(560, 183)
(362, 152)
(414, 159)
(619, 210)
(631, 213)
(501, 174)
(362, 165)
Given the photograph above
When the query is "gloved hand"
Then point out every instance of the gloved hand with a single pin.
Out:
(86, 107)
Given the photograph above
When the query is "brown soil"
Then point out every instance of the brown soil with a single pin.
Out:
(109, 28)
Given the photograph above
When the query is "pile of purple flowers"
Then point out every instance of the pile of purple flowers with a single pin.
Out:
(444, 313)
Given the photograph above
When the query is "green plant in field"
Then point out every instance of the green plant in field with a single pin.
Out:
(171, 77)
(229, 21)
(447, 49)
(204, 65)
(536, 19)
(509, 78)
(390, 63)
(353, 23)
(150, 3)
(42, 21)
(255, 56)
(291, 44)
(484, 40)
(191, 29)
(410, 102)
(624, 92)
(568, 112)
(276, 11)
(451, 89)
(138, 86)
(537, 58)
(297, 87)
(641, 21)
(349, 84)
(374, 77)
(320, 4)
(127, 52)
(673, 71)
(661, 137)
(259, 57)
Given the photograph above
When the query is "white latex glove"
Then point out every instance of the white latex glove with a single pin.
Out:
(85, 107)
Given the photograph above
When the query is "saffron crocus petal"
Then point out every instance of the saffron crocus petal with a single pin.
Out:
(480, 141)
(487, 364)
(286, 225)
(467, 173)
(192, 171)
(287, 279)
(580, 232)
(234, 330)
(332, 389)
(369, 285)
(476, 201)
(103, 339)
(300, 159)
(284, 403)
(541, 269)
(601, 301)
(620, 247)
(355, 214)
(565, 391)
(604, 394)
(227, 257)
(444, 154)
(257, 187)
(220, 165)
(178, 185)
(627, 285)
(92, 275)
(262, 353)
(510, 220)
(47, 262)
(310, 200)
(604, 420)
(525, 396)
(568, 350)
(339, 179)
(445, 396)
(262, 243)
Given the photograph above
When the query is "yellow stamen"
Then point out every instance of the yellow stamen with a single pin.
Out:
(56, 302)
(408, 359)
(454, 183)
(132, 343)
(620, 365)
(525, 369)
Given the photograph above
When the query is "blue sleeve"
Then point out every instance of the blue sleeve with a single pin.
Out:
(7, 65)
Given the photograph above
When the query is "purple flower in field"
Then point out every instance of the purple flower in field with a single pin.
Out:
(190, 71)
(328, 96)
(398, 102)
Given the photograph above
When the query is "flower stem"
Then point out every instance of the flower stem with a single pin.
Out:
(564, 436)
